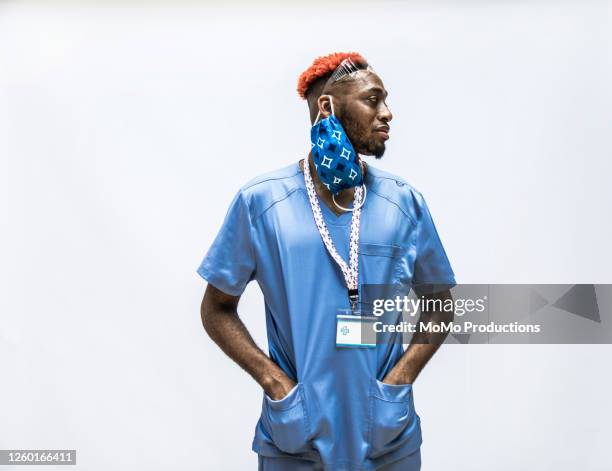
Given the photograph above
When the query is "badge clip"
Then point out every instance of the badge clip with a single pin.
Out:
(353, 295)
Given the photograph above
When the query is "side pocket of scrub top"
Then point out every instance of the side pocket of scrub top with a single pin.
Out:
(393, 422)
(286, 421)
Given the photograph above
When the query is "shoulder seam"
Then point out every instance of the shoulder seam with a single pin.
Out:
(380, 173)
(394, 178)
(278, 200)
(246, 187)
(396, 204)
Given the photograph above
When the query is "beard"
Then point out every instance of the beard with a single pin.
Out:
(355, 132)
(374, 147)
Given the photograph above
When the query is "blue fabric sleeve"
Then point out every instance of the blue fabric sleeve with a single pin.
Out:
(229, 264)
(432, 269)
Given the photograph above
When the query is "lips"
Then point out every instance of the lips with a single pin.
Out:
(382, 131)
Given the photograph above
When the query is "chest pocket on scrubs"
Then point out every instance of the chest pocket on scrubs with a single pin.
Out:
(379, 263)
(286, 420)
(393, 422)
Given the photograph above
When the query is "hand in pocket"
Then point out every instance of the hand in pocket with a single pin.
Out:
(286, 420)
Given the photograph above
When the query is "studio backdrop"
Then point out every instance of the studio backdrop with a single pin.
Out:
(127, 127)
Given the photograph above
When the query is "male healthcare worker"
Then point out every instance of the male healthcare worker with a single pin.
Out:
(313, 234)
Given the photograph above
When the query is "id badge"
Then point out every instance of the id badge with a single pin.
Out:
(355, 330)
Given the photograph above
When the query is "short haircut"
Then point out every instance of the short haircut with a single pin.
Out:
(323, 67)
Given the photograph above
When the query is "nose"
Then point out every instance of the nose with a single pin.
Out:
(384, 113)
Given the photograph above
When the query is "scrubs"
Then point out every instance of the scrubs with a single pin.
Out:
(339, 416)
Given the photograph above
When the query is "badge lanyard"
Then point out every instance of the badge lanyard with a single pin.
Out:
(350, 271)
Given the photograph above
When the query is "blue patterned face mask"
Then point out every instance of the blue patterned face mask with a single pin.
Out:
(334, 157)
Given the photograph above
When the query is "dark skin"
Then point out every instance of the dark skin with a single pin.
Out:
(361, 108)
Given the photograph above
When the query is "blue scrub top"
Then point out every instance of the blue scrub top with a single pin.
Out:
(340, 412)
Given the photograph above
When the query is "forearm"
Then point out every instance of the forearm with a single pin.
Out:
(423, 345)
(223, 325)
(227, 330)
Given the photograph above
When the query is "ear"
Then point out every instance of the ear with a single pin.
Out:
(325, 106)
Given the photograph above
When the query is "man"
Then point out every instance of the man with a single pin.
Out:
(328, 404)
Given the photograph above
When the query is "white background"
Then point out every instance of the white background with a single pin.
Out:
(125, 130)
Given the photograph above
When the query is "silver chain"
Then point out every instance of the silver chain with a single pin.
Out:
(350, 271)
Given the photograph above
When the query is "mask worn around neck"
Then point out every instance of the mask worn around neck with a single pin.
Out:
(335, 159)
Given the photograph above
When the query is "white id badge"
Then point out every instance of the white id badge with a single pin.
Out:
(355, 330)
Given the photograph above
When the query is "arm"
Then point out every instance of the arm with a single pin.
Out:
(222, 324)
(422, 346)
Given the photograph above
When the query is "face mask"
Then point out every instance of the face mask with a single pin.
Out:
(334, 157)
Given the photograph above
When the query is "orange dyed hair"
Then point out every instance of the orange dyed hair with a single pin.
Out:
(323, 66)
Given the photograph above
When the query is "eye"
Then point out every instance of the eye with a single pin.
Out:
(373, 99)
